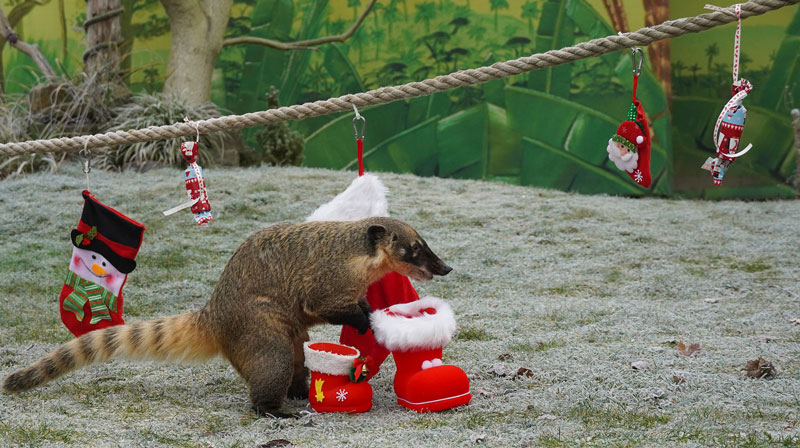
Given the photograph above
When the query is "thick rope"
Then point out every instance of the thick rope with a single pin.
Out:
(593, 48)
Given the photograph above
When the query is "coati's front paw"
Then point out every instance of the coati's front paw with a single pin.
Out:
(298, 392)
(363, 328)
(364, 323)
(274, 413)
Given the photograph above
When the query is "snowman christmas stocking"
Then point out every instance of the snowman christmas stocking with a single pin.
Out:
(105, 245)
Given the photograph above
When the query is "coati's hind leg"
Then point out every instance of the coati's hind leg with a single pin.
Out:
(268, 372)
(299, 387)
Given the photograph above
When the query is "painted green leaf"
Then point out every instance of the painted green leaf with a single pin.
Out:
(556, 30)
(550, 167)
(422, 108)
(339, 67)
(414, 150)
(785, 69)
(463, 139)
(263, 66)
(297, 64)
(333, 144)
(505, 146)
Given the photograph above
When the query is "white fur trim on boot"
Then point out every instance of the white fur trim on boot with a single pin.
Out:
(364, 198)
(327, 362)
(424, 331)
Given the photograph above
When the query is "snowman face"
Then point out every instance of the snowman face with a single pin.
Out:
(95, 268)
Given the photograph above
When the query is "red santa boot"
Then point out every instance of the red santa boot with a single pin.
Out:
(365, 198)
(338, 378)
(415, 332)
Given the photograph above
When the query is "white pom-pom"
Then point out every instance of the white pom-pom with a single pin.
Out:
(639, 139)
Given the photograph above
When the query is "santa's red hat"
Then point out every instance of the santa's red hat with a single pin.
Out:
(630, 135)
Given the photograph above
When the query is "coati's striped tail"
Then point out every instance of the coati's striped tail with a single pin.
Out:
(178, 338)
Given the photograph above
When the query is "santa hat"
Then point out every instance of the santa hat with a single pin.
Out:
(364, 198)
(109, 233)
(630, 135)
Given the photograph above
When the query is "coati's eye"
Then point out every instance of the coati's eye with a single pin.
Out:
(415, 247)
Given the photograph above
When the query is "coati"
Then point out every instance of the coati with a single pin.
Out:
(281, 280)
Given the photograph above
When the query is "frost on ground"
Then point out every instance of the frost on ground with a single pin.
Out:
(557, 296)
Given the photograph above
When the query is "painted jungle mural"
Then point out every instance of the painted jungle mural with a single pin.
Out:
(548, 128)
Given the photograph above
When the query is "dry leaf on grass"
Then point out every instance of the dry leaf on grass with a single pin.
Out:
(477, 438)
(690, 351)
(795, 320)
(484, 392)
(500, 370)
(275, 443)
(678, 379)
(640, 365)
(760, 368)
(524, 371)
(505, 357)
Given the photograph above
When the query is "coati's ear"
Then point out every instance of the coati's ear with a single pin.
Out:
(374, 234)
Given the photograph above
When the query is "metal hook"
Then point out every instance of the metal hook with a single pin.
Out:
(195, 126)
(637, 69)
(363, 124)
(86, 153)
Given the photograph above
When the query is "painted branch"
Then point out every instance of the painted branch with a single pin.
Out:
(303, 44)
(30, 49)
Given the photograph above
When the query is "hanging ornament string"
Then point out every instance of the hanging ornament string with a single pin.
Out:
(196, 127)
(637, 68)
(86, 153)
(359, 139)
(194, 165)
(195, 182)
(741, 87)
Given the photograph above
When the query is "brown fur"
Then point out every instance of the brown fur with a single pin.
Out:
(281, 280)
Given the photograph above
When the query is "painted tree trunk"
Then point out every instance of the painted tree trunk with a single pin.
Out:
(103, 38)
(616, 12)
(657, 12)
(198, 29)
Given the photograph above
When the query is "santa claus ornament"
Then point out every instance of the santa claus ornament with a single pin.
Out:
(105, 245)
(195, 183)
(730, 122)
(629, 148)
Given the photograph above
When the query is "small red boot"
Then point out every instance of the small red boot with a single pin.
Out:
(337, 378)
(415, 333)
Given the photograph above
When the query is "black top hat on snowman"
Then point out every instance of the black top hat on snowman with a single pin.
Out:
(109, 233)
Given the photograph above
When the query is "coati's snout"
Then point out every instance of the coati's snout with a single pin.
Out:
(407, 252)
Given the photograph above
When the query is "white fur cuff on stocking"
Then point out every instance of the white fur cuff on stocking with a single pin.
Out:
(408, 326)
